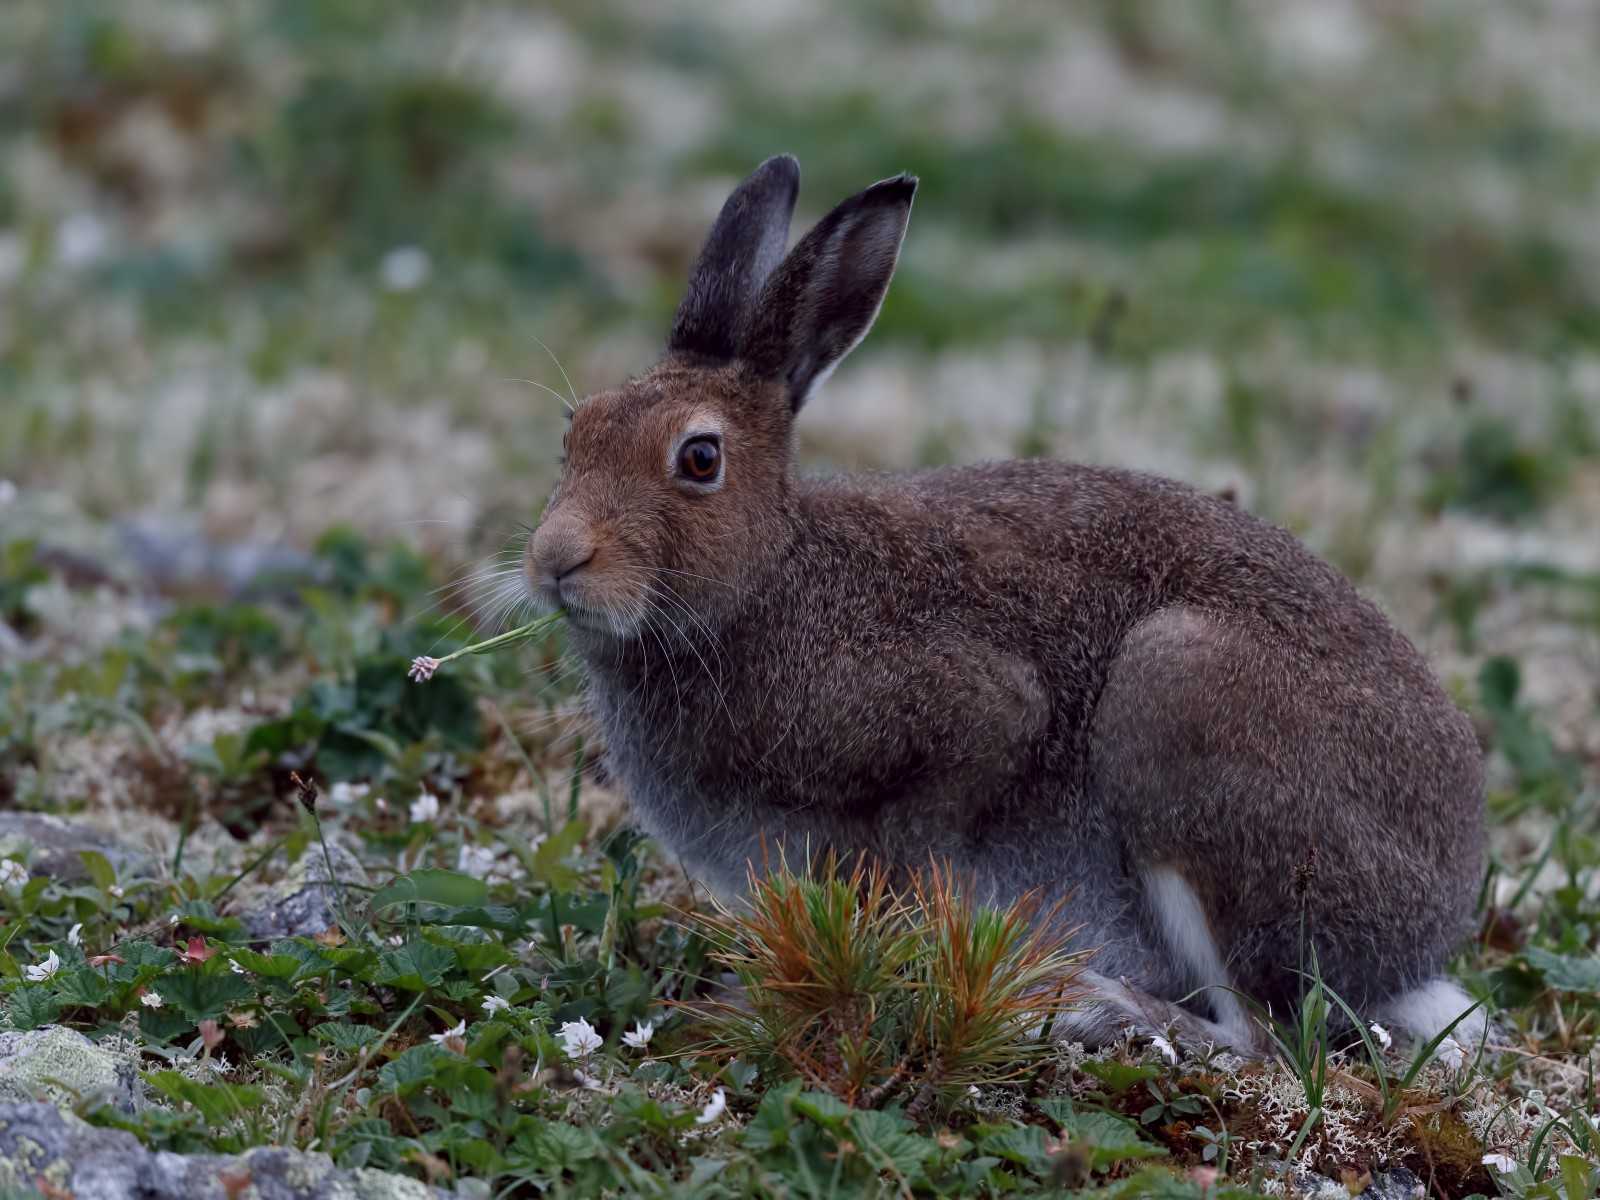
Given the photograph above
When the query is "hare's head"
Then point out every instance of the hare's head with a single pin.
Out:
(675, 487)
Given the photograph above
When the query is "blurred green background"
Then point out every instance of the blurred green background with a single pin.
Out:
(271, 266)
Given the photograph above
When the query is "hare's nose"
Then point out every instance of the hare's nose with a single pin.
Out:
(559, 549)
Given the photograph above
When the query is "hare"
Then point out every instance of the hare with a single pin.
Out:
(1098, 683)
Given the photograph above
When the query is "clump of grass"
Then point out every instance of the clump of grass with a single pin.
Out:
(870, 991)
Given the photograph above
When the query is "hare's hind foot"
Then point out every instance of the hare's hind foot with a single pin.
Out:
(1113, 1009)
(1424, 1012)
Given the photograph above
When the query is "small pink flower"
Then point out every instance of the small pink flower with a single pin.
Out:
(422, 668)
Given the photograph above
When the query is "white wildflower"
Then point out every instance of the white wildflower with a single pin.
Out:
(1382, 1034)
(495, 1004)
(638, 1038)
(1452, 1054)
(1166, 1048)
(173, 919)
(405, 268)
(715, 1107)
(422, 668)
(579, 1039)
(475, 860)
(424, 808)
(42, 971)
(233, 965)
(457, 1030)
(151, 1000)
(12, 873)
(587, 1080)
(116, 890)
(75, 935)
(1503, 1163)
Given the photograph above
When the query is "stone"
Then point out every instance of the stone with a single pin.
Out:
(51, 846)
(62, 1066)
(1397, 1183)
(40, 1142)
(302, 903)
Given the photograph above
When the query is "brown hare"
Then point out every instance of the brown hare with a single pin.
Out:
(1094, 682)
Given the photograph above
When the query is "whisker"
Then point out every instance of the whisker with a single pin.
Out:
(543, 387)
(560, 368)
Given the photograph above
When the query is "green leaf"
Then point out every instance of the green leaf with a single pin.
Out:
(430, 886)
(200, 916)
(888, 1142)
(1112, 1140)
(200, 994)
(268, 966)
(99, 868)
(547, 867)
(411, 1069)
(1119, 1077)
(416, 966)
(1022, 1144)
(31, 1006)
(216, 1102)
(556, 1147)
(82, 987)
(770, 1128)
(1565, 972)
(344, 1036)
(826, 1110)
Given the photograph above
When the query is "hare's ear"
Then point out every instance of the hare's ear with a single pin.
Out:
(827, 293)
(744, 246)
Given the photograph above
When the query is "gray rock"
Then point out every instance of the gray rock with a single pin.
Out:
(1397, 1183)
(172, 553)
(51, 846)
(62, 1066)
(38, 1141)
(302, 903)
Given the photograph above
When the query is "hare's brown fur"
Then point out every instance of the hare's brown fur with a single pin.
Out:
(1089, 681)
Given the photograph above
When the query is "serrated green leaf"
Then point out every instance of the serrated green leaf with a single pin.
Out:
(411, 1069)
(1111, 1139)
(887, 1140)
(83, 986)
(556, 1147)
(1021, 1144)
(343, 1036)
(268, 966)
(826, 1110)
(416, 966)
(31, 1006)
(1565, 972)
(201, 995)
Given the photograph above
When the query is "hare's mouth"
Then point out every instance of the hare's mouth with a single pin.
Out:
(598, 622)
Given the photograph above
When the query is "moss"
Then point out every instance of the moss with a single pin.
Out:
(1447, 1152)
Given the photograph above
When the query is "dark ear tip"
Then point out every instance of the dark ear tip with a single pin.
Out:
(897, 189)
(782, 170)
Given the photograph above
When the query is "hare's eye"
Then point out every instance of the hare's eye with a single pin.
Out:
(700, 459)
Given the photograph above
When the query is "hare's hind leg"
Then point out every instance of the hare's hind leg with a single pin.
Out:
(1111, 1009)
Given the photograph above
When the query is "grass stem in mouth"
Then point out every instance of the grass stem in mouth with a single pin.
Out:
(423, 666)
